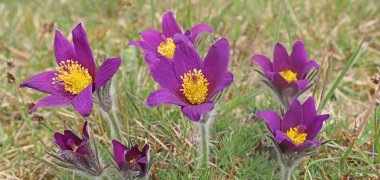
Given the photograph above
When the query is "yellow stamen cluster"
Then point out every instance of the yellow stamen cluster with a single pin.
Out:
(194, 87)
(74, 147)
(295, 136)
(73, 76)
(289, 75)
(166, 48)
(133, 160)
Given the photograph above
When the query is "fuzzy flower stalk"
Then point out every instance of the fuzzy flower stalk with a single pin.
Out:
(78, 154)
(76, 77)
(294, 134)
(287, 75)
(131, 162)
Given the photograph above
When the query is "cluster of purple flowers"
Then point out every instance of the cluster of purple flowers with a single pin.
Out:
(185, 80)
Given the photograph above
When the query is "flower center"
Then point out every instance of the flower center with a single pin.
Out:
(289, 75)
(194, 87)
(133, 160)
(296, 136)
(166, 48)
(73, 76)
(74, 147)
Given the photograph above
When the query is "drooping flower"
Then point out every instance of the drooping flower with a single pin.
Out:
(78, 154)
(299, 127)
(188, 81)
(76, 77)
(287, 72)
(131, 162)
(162, 44)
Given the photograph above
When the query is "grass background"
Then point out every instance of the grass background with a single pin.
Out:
(328, 28)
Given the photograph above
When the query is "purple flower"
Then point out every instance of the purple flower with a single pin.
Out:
(162, 44)
(287, 71)
(78, 154)
(299, 127)
(131, 161)
(68, 141)
(188, 81)
(76, 77)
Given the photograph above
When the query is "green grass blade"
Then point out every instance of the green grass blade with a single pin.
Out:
(350, 63)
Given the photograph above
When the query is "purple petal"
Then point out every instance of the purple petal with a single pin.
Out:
(315, 127)
(119, 151)
(63, 49)
(186, 57)
(216, 62)
(169, 25)
(83, 147)
(195, 112)
(298, 56)
(264, 62)
(293, 116)
(272, 118)
(143, 160)
(83, 101)
(43, 82)
(303, 146)
(197, 30)
(106, 71)
(52, 100)
(164, 96)
(299, 85)
(70, 135)
(309, 111)
(86, 130)
(145, 150)
(222, 83)
(151, 40)
(284, 141)
(307, 67)
(163, 72)
(280, 58)
(60, 141)
(83, 49)
(278, 81)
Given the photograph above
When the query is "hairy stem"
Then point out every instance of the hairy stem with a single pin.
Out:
(204, 148)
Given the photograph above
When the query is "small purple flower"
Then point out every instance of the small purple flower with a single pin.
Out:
(188, 81)
(162, 44)
(76, 77)
(287, 71)
(78, 154)
(68, 141)
(299, 127)
(131, 162)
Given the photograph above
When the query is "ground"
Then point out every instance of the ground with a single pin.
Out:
(331, 30)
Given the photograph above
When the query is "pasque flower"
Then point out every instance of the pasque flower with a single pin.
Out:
(79, 154)
(76, 77)
(287, 71)
(298, 128)
(131, 162)
(188, 81)
(162, 44)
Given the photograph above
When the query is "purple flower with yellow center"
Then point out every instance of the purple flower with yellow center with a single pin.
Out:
(131, 162)
(188, 81)
(299, 127)
(78, 154)
(162, 44)
(76, 77)
(287, 71)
